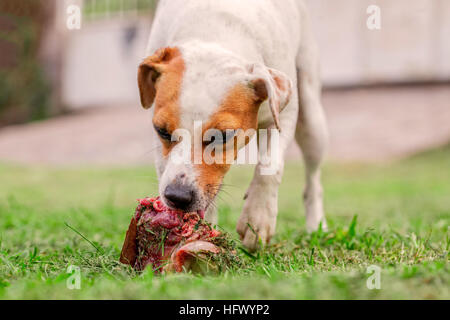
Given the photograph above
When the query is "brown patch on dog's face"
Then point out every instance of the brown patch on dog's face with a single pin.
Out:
(167, 111)
(160, 78)
(239, 110)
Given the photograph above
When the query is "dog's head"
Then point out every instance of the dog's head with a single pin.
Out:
(208, 85)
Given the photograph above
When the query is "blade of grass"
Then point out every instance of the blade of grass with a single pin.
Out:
(81, 235)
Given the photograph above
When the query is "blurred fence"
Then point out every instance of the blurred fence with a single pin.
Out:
(112, 9)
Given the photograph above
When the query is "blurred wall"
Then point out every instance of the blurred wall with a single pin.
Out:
(412, 45)
(101, 63)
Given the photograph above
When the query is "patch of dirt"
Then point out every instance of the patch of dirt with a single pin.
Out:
(387, 123)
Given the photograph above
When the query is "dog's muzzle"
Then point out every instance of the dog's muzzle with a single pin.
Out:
(179, 196)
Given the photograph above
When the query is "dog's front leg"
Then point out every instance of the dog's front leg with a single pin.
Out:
(259, 216)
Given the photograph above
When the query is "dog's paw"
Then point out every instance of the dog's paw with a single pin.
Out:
(257, 222)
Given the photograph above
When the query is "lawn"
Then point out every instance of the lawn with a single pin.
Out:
(393, 216)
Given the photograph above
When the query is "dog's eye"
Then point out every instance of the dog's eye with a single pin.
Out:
(163, 133)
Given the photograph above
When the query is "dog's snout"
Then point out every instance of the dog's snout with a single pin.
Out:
(179, 196)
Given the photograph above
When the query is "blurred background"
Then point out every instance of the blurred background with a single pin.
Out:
(69, 96)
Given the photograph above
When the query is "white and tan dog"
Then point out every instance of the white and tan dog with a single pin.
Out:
(233, 64)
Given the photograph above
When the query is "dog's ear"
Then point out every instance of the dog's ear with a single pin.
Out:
(273, 85)
(150, 70)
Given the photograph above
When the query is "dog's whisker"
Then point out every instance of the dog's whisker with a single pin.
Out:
(231, 185)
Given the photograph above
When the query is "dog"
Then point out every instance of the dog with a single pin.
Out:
(248, 64)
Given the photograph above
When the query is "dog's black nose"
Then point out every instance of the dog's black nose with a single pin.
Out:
(179, 196)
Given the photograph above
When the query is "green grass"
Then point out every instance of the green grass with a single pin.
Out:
(393, 216)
